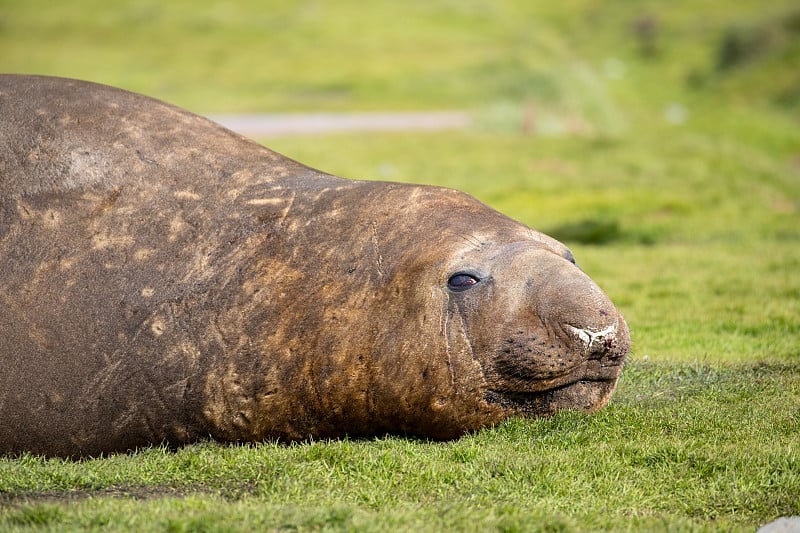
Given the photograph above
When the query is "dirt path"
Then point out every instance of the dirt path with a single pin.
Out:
(281, 124)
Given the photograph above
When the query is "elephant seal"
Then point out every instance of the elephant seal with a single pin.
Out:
(165, 280)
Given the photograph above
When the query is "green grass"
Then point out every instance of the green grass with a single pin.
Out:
(693, 228)
(717, 454)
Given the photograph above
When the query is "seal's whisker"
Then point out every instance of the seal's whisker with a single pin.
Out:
(473, 241)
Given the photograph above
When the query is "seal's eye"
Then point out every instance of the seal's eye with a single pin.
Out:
(461, 282)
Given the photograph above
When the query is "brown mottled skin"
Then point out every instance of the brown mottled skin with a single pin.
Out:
(163, 279)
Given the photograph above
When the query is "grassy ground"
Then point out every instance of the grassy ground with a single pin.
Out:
(688, 447)
(592, 472)
(660, 141)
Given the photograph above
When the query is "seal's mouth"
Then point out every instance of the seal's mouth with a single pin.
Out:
(586, 395)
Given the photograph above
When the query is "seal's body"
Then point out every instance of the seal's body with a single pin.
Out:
(166, 280)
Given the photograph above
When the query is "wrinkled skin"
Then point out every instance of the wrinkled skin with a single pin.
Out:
(166, 280)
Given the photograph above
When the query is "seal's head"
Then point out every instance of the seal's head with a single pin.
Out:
(546, 335)
(500, 318)
(409, 309)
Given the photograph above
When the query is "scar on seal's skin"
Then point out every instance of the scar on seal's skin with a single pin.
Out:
(376, 249)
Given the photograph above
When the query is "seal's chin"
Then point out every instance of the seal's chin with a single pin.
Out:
(585, 395)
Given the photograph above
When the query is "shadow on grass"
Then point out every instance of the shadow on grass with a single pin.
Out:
(599, 232)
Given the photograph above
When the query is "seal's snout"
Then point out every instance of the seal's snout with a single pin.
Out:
(571, 302)
(589, 338)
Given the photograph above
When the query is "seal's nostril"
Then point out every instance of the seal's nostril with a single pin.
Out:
(595, 342)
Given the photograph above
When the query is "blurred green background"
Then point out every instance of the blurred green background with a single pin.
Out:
(609, 63)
